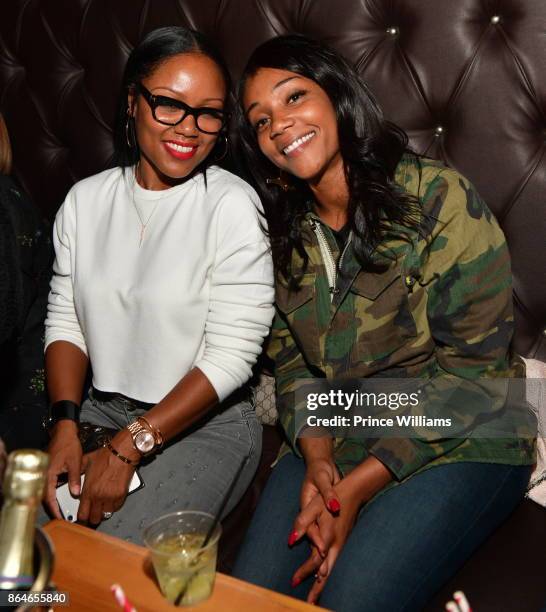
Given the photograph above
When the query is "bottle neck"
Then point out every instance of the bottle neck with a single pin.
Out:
(23, 487)
(16, 543)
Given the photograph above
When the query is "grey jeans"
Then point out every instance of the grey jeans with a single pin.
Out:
(192, 472)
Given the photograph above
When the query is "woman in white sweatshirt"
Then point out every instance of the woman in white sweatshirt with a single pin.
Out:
(163, 286)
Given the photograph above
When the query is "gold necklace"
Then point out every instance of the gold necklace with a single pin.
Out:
(143, 225)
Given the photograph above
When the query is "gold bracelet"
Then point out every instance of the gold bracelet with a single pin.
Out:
(119, 455)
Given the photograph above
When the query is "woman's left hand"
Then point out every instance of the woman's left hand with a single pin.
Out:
(334, 531)
(353, 491)
(105, 487)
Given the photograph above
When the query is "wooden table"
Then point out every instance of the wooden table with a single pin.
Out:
(88, 562)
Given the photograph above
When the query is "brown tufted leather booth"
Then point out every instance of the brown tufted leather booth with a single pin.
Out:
(465, 78)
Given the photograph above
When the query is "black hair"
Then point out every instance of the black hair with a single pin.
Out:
(156, 47)
(5, 148)
(370, 146)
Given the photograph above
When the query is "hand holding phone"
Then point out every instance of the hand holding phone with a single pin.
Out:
(69, 505)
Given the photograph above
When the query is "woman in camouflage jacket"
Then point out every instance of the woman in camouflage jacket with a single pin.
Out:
(388, 266)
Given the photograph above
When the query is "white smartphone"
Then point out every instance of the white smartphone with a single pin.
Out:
(69, 505)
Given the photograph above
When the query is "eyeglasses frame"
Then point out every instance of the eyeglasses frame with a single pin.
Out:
(151, 99)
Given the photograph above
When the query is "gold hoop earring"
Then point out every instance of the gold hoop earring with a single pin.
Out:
(280, 181)
(129, 133)
(226, 149)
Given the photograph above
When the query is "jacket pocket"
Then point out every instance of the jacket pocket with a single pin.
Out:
(385, 322)
(299, 310)
(289, 301)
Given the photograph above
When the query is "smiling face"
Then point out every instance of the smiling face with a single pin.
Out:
(171, 153)
(295, 123)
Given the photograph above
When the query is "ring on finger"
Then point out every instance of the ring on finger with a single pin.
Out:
(107, 515)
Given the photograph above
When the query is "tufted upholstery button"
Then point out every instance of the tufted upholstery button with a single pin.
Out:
(59, 90)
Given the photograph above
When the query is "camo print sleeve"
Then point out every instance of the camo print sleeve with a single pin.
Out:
(466, 272)
(291, 373)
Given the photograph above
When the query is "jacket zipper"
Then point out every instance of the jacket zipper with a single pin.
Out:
(345, 249)
(328, 257)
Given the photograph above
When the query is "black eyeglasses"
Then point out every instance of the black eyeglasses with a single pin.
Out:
(169, 111)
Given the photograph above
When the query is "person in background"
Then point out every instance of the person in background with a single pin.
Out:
(3, 460)
(163, 285)
(26, 255)
(387, 266)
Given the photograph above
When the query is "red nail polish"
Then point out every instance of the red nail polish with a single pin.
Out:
(292, 538)
(334, 505)
(295, 582)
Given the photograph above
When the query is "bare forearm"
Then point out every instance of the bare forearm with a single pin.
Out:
(66, 369)
(367, 479)
(187, 402)
(317, 448)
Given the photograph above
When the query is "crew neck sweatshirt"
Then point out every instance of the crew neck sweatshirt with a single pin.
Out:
(197, 292)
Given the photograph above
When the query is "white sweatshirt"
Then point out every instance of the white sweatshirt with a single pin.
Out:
(197, 292)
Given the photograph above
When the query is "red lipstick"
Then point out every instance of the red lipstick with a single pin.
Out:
(188, 152)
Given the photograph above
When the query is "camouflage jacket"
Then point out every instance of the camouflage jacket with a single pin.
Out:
(442, 309)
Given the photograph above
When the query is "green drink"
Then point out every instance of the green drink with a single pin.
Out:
(185, 571)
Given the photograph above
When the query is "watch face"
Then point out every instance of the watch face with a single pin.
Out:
(144, 441)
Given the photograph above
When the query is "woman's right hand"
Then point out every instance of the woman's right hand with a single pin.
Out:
(321, 475)
(65, 456)
(321, 472)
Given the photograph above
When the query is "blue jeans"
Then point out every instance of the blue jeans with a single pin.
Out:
(405, 544)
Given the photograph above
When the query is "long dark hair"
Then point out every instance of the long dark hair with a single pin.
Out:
(370, 146)
(156, 47)
(5, 148)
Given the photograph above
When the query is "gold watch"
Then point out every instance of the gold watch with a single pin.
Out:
(143, 439)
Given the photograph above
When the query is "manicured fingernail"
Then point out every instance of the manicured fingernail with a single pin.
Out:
(334, 505)
(292, 538)
(295, 582)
